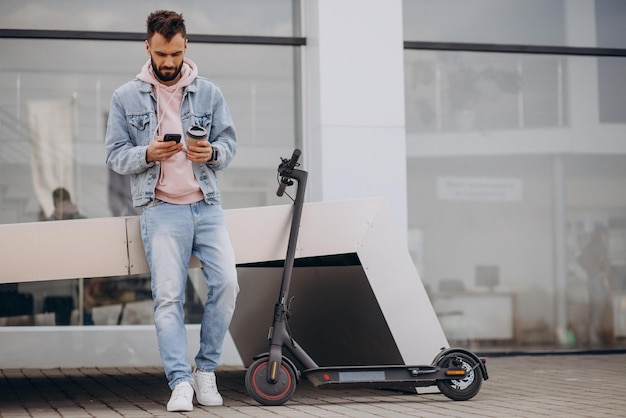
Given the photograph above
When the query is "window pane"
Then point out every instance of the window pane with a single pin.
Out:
(55, 95)
(526, 22)
(532, 22)
(221, 17)
(257, 82)
(464, 228)
(499, 194)
(456, 91)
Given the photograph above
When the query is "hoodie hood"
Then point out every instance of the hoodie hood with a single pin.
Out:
(167, 95)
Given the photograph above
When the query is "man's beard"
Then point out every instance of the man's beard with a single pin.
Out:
(166, 77)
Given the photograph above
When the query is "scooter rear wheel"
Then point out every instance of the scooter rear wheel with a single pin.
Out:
(461, 389)
(266, 392)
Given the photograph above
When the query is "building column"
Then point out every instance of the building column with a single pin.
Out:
(353, 83)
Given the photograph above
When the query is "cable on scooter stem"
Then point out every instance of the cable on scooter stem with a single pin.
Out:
(285, 167)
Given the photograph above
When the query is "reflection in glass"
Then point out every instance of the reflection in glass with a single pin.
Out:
(511, 164)
(257, 81)
(527, 22)
(74, 80)
(452, 91)
(215, 17)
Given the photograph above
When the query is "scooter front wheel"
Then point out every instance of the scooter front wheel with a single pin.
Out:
(265, 392)
(465, 388)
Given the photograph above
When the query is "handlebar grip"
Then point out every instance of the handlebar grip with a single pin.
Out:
(294, 159)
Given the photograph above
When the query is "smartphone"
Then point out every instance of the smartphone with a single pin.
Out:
(171, 137)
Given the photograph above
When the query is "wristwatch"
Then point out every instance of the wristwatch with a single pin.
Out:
(213, 155)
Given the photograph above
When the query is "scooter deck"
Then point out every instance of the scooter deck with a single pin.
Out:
(381, 376)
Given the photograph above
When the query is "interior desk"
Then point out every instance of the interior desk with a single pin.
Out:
(477, 315)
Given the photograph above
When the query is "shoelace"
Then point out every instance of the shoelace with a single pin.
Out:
(183, 391)
(208, 382)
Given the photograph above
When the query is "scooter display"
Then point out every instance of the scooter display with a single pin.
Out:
(272, 377)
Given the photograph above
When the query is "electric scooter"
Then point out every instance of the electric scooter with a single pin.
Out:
(272, 377)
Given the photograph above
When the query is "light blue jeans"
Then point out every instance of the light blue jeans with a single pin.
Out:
(171, 234)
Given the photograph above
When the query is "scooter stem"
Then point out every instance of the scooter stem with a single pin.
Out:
(301, 177)
(279, 335)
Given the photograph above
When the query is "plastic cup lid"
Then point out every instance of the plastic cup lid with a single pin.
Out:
(197, 132)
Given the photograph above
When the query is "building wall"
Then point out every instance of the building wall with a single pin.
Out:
(376, 119)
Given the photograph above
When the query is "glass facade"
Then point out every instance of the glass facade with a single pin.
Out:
(54, 99)
(513, 160)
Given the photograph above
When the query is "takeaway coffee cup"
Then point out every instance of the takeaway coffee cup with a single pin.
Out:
(194, 134)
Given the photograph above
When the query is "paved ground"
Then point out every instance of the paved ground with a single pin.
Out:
(519, 386)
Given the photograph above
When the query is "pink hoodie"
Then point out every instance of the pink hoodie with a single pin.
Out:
(177, 183)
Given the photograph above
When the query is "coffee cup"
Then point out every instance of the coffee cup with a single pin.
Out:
(194, 134)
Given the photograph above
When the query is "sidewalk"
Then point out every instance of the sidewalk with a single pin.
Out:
(519, 386)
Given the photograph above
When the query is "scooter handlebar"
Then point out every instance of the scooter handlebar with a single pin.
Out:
(290, 164)
(285, 167)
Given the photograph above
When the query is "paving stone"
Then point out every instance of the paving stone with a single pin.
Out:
(567, 385)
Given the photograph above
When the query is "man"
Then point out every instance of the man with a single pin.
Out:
(594, 259)
(177, 187)
(64, 208)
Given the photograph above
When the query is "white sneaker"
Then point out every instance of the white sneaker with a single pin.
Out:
(206, 389)
(182, 398)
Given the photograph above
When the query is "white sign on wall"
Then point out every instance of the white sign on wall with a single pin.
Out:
(479, 188)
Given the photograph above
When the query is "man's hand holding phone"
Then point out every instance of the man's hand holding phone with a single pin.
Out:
(171, 137)
(163, 147)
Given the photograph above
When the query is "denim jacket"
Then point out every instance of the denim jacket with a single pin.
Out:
(132, 123)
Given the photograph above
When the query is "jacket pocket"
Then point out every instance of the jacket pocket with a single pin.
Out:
(204, 121)
(138, 124)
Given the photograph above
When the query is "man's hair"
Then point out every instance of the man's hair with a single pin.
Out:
(166, 23)
(61, 194)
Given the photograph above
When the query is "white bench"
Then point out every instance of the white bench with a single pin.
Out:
(106, 247)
